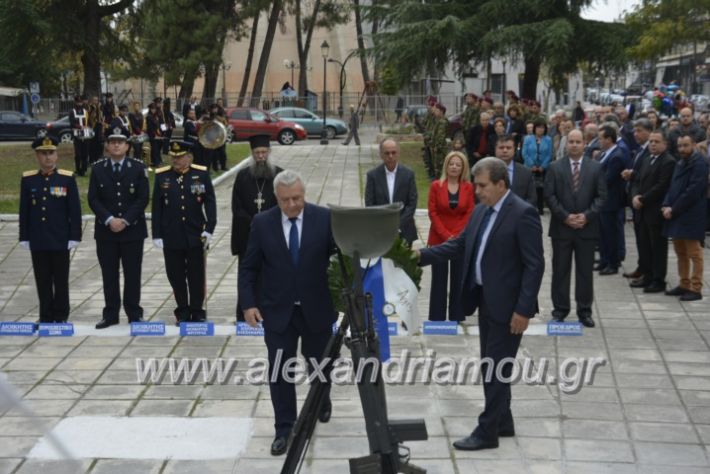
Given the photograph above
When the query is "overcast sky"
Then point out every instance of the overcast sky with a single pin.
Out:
(608, 10)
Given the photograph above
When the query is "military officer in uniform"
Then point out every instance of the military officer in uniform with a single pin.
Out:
(184, 218)
(118, 195)
(437, 140)
(50, 226)
(78, 121)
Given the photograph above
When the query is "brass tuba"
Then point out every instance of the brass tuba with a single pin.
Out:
(213, 134)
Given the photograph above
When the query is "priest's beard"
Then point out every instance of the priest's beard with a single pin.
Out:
(261, 169)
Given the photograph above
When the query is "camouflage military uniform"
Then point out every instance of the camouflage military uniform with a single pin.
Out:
(438, 144)
(428, 124)
(471, 118)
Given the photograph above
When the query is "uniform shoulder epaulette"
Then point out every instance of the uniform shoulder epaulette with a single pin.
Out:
(162, 170)
(136, 160)
(65, 172)
(29, 173)
(198, 167)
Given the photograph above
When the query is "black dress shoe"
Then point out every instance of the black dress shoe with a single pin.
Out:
(609, 271)
(635, 274)
(558, 318)
(474, 443)
(691, 296)
(279, 446)
(325, 412)
(586, 321)
(508, 432)
(139, 319)
(639, 283)
(104, 323)
(655, 287)
(677, 291)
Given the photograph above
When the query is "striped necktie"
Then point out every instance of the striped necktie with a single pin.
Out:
(575, 176)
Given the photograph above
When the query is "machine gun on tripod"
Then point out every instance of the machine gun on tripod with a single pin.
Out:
(362, 233)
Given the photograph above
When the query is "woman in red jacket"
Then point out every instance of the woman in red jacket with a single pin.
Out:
(450, 205)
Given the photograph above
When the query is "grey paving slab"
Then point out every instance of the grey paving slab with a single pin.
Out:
(647, 411)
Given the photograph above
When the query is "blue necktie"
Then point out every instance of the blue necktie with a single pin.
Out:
(293, 240)
(116, 168)
(481, 229)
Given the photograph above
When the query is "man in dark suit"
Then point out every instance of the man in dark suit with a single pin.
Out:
(50, 226)
(520, 177)
(283, 283)
(611, 215)
(118, 194)
(574, 191)
(393, 182)
(184, 218)
(503, 264)
(649, 186)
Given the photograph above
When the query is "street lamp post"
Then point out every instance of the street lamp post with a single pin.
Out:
(324, 49)
(290, 64)
(226, 66)
(505, 86)
(343, 78)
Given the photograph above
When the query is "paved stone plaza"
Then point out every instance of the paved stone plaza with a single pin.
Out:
(648, 410)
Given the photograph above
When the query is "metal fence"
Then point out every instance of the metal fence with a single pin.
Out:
(378, 109)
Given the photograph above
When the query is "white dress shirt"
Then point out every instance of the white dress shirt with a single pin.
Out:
(484, 237)
(286, 225)
(390, 175)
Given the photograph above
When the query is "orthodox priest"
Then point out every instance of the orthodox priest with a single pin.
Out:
(253, 192)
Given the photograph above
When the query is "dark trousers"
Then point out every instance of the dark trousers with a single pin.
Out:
(637, 237)
(653, 252)
(219, 158)
(168, 134)
(283, 393)
(352, 133)
(186, 271)
(611, 224)
(562, 250)
(81, 156)
(137, 151)
(440, 273)
(96, 149)
(155, 150)
(497, 344)
(128, 255)
(51, 269)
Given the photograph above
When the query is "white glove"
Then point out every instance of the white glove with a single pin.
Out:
(25, 244)
(207, 236)
(158, 243)
(72, 244)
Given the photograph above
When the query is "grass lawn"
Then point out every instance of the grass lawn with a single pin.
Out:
(410, 155)
(18, 158)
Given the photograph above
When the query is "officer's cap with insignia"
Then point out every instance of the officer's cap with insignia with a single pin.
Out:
(260, 141)
(118, 133)
(45, 143)
(179, 148)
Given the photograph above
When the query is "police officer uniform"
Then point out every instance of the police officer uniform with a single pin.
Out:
(119, 190)
(50, 225)
(184, 217)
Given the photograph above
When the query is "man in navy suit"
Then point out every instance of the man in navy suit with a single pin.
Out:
(611, 215)
(503, 263)
(283, 283)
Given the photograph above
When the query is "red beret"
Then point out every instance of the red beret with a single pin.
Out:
(440, 107)
(488, 99)
(431, 100)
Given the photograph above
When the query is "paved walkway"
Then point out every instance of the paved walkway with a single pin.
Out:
(648, 410)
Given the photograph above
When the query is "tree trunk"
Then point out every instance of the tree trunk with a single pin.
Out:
(250, 58)
(375, 30)
(210, 90)
(361, 43)
(303, 49)
(532, 74)
(90, 57)
(265, 53)
(186, 87)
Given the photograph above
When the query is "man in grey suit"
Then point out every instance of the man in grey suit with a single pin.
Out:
(393, 182)
(521, 180)
(503, 264)
(575, 191)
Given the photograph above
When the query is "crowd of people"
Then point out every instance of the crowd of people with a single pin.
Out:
(592, 170)
(149, 134)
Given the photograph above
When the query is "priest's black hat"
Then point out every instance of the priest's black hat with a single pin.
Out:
(259, 141)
